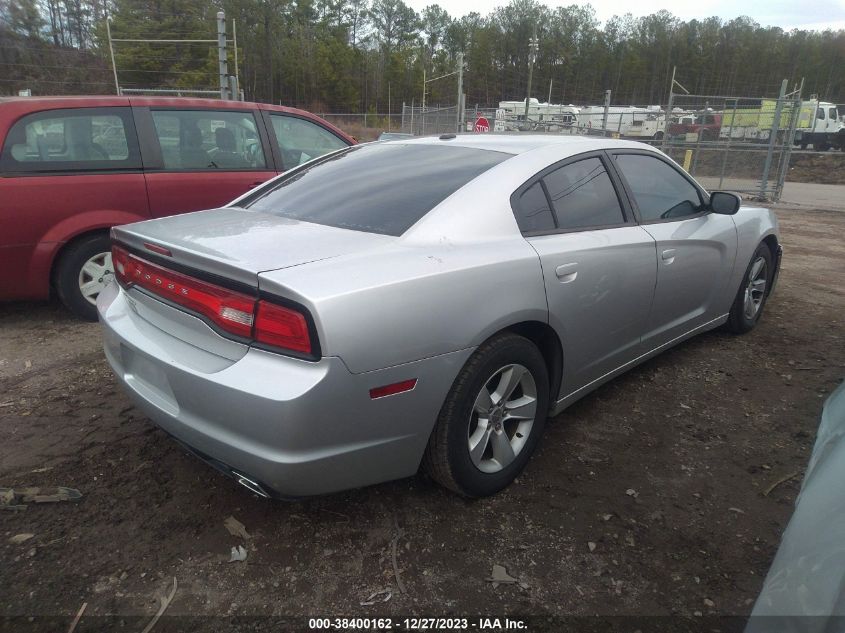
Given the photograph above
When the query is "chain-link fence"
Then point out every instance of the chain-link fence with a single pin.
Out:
(365, 126)
(421, 121)
(726, 142)
(738, 143)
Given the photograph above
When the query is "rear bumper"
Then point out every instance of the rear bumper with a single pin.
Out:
(291, 427)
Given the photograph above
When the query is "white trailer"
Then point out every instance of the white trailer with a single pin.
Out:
(629, 121)
(545, 117)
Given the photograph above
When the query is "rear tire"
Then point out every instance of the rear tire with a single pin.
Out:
(492, 419)
(83, 271)
(751, 297)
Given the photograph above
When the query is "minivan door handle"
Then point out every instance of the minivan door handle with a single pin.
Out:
(567, 272)
(668, 255)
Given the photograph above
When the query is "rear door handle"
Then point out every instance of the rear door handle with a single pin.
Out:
(668, 255)
(256, 183)
(567, 272)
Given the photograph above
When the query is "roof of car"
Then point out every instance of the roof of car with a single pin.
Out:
(19, 106)
(521, 142)
(138, 100)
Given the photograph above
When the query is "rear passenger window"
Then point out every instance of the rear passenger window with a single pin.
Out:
(82, 139)
(583, 196)
(533, 213)
(208, 139)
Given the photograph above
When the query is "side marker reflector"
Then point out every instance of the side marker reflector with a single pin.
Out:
(391, 390)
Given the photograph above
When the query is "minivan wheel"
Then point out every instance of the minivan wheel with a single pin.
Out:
(83, 271)
(492, 419)
(753, 292)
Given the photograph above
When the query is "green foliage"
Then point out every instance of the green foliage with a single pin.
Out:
(358, 55)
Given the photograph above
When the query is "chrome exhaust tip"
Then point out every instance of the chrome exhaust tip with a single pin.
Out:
(251, 485)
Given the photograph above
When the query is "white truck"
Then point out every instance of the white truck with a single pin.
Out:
(819, 125)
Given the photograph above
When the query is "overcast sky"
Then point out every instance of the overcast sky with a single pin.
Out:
(787, 14)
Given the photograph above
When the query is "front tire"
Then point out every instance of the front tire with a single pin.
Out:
(751, 298)
(83, 271)
(492, 419)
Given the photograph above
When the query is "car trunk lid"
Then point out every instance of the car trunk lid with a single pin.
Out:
(238, 244)
(205, 267)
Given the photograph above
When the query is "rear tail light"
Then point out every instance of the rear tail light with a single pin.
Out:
(282, 327)
(233, 312)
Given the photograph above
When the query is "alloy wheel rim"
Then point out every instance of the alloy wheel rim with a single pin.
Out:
(755, 289)
(95, 275)
(502, 417)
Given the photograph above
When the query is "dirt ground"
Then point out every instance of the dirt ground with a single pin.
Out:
(645, 498)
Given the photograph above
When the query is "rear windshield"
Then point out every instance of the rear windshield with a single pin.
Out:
(376, 188)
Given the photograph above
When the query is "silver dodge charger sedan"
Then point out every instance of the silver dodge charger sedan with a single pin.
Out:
(422, 302)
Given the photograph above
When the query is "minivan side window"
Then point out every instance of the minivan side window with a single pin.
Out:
(300, 140)
(583, 196)
(198, 140)
(661, 193)
(78, 139)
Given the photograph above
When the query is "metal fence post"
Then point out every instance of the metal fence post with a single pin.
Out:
(728, 146)
(221, 55)
(789, 141)
(111, 52)
(460, 91)
(764, 180)
(606, 111)
(669, 110)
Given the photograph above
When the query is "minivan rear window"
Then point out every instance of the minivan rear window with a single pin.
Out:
(71, 140)
(377, 188)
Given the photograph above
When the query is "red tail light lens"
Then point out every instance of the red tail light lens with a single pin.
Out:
(282, 327)
(234, 312)
(229, 310)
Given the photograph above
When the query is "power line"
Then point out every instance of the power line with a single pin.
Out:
(36, 65)
(47, 81)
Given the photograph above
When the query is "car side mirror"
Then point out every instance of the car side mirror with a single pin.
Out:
(724, 202)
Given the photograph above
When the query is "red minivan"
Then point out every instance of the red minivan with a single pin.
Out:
(72, 167)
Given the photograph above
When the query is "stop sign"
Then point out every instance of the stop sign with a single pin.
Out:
(482, 125)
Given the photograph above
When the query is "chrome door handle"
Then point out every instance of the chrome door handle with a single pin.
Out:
(668, 255)
(567, 272)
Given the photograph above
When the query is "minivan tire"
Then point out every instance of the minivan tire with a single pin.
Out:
(69, 270)
(447, 458)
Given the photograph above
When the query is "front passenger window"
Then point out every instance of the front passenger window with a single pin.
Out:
(301, 140)
(660, 191)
